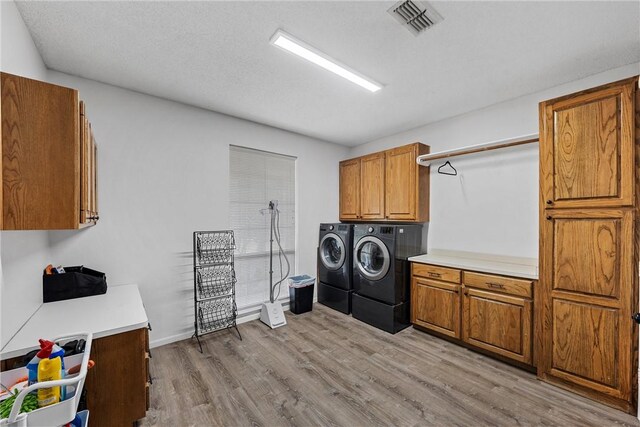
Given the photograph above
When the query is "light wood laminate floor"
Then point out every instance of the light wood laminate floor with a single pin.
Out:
(328, 369)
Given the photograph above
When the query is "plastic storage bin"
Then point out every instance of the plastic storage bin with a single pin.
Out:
(301, 293)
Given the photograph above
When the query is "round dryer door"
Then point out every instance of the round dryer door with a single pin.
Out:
(332, 251)
(372, 258)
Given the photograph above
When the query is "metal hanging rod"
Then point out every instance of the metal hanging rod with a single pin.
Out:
(427, 159)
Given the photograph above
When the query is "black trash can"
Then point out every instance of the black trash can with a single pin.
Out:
(301, 299)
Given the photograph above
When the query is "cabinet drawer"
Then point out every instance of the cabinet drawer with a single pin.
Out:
(435, 272)
(507, 285)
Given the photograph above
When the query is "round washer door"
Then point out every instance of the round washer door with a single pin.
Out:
(332, 251)
(372, 258)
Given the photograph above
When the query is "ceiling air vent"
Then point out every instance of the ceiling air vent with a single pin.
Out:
(416, 16)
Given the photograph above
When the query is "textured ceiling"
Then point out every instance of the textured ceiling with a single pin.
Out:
(217, 55)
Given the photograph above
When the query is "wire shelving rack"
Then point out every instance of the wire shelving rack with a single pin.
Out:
(214, 283)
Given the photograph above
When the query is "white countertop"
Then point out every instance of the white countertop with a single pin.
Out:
(119, 310)
(496, 264)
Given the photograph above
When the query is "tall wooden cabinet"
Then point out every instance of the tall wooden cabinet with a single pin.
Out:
(385, 186)
(588, 242)
(48, 157)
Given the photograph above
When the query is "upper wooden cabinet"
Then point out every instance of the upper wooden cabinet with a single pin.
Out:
(586, 150)
(48, 157)
(372, 185)
(350, 189)
(387, 185)
(88, 179)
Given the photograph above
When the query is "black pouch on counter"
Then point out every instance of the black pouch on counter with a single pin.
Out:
(75, 282)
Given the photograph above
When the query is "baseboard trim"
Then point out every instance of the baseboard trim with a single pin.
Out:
(245, 316)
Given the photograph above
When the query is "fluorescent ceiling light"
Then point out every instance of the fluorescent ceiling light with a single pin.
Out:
(303, 50)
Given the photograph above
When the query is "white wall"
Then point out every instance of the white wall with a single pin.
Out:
(19, 54)
(162, 173)
(492, 205)
(23, 255)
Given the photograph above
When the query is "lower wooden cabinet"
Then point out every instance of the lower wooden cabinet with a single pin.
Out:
(485, 311)
(437, 306)
(499, 323)
(117, 387)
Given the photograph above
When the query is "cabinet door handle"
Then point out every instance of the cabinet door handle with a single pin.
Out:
(549, 218)
(549, 202)
(495, 285)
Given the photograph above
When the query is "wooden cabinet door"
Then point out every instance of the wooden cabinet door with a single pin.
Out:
(94, 173)
(85, 192)
(401, 183)
(435, 305)
(40, 155)
(499, 323)
(372, 186)
(88, 171)
(121, 369)
(586, 148)
(350, 189)
(587, 281)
